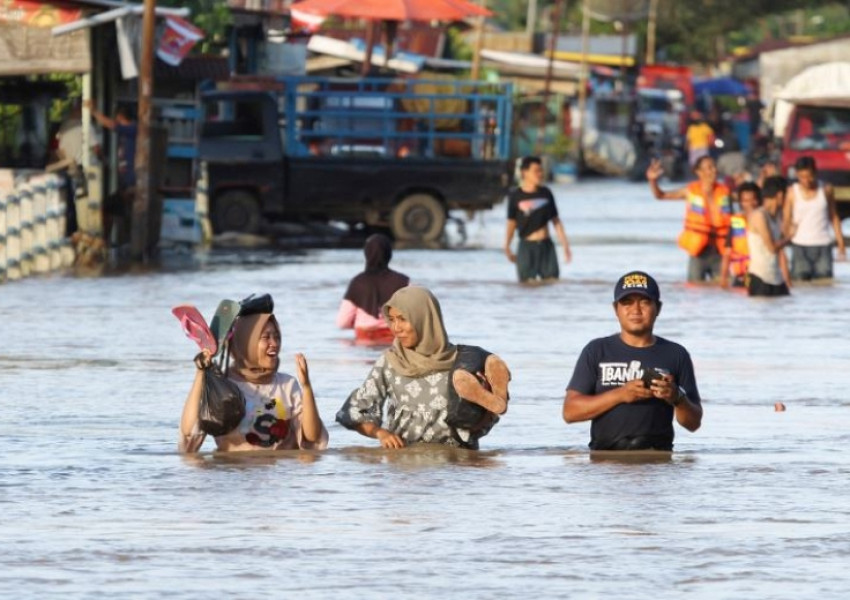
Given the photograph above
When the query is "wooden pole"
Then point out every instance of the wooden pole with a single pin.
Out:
(582, 81)
(370, 46)
(479, 43)
(142, 201)
(390, 35)
(547, 84)
(650, 32)
(531, 21)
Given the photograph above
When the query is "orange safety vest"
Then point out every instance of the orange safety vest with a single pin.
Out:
(704, 225)
(739, 250)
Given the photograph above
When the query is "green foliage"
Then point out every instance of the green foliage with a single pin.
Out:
(560, 148)
(60, 106)
(699, 31)
(457, 47)
(509, 14)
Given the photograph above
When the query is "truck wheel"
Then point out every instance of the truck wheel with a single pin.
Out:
(236, 210)
(418, 217)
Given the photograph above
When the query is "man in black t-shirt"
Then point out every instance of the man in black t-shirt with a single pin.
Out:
(531, 207)
(631, 385)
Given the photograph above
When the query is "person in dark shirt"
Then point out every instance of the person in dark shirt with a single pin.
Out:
(118, 206)
(531, 207)
(630, 385)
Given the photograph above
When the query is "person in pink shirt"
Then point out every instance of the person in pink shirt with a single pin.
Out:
(361, 307)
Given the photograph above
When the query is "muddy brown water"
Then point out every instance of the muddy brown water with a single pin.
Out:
(95, 502)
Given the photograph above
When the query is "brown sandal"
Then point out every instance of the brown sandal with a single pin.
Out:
(498, 375)
(470, 388)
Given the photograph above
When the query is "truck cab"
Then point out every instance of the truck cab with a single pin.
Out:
(242, 149)
(822, 132)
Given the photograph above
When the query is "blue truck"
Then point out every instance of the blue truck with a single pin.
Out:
(378, 153)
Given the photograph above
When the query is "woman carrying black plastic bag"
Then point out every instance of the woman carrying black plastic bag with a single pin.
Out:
(411, 394)
(280, 411)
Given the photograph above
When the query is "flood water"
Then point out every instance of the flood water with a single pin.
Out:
(95, 501)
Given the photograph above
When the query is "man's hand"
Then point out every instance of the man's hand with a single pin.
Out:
(665, 388)
(655, 171)
(511, 256)
(841, 255)
(635, 390)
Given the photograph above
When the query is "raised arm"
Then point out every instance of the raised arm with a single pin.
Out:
(191, 438)
(653, 174)
(312, 428)
(101, 118)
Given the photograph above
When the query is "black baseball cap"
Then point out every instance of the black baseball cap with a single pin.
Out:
(636, 282)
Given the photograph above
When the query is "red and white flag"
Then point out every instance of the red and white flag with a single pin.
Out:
(305, 21)
(177, 40)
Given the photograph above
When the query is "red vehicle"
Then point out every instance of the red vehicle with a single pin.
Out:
(822, 132)
(668, 77)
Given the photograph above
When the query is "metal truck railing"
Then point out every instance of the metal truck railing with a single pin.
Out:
(395, 117)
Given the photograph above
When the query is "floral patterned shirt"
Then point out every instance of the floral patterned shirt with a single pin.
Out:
(415, 407)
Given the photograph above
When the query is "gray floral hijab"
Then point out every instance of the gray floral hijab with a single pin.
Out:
(433, 352)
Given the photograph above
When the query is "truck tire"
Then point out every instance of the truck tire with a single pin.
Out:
(418, 217)
(237, 211)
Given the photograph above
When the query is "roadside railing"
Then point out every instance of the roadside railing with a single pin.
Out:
(32, 225)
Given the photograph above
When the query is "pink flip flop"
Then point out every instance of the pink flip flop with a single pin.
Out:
(195, 326)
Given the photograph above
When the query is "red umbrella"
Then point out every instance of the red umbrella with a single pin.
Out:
(391, 12)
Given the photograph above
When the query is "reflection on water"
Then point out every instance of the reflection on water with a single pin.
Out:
(96, 503)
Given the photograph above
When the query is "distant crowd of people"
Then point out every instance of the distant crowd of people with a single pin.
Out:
(743, 246)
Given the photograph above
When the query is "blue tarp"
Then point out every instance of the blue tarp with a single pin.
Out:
(720, 86)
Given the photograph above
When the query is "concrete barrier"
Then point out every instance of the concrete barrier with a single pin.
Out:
(32, 225)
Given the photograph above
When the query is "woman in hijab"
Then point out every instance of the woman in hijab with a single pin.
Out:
(361, 307)
(406, 396)
(280, 411)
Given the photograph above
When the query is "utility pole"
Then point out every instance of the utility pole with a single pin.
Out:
(582, 81)
(531, 21)
(547, 85)
(650, 32)
(479, 42)
(140, 233)
(371, 34)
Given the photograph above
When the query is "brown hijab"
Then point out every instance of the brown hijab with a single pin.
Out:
(243, 346)
(433, 352)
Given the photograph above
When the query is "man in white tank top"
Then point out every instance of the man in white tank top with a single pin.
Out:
(809, 212)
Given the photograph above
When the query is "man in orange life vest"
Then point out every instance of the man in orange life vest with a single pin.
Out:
(736, 258)
(708, 216)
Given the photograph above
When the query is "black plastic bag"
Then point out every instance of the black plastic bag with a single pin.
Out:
(222, 403)
(462, 413)
(254, 304)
